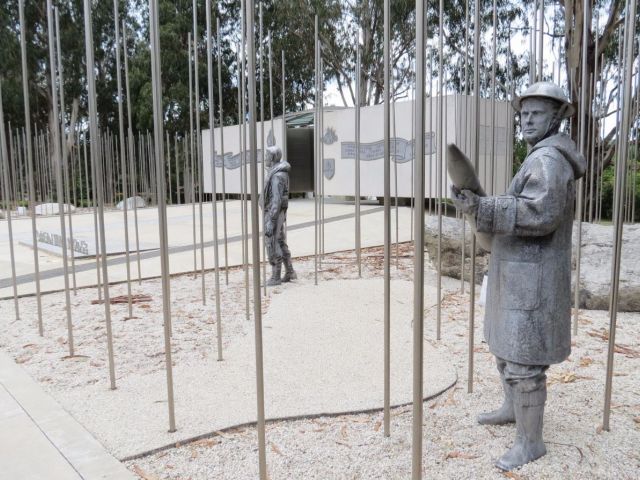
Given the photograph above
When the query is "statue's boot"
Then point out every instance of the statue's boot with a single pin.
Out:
(289, 273)
(275, 276)
(528, 445)
(503, 415)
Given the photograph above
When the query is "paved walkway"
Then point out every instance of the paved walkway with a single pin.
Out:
(40, 440)
(183, 232)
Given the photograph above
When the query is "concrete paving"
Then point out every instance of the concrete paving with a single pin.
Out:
(339, 235)
(40, 440)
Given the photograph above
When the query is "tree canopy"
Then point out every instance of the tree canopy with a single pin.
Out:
(290, 24)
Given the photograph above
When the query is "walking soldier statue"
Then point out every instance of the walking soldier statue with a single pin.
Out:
(275, 201)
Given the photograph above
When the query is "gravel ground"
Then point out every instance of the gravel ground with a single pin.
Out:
(353, 446)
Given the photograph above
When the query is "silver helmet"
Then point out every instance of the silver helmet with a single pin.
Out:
(546, 90)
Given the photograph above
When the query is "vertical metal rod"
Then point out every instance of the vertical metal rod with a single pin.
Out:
(134, 184)
(176, 149)
(273, 132)
(64, 146)
(97, 168)
(192, 156)
(589, 147)
(262, 143)
(494, 53)
(534, 45)
(19, 159)
(94, 204)
(214, 189)
(621, 165)
(540, 64)
(387, 223)
(592, 163)
(321, 176)
(57, 155)
(243, 171)
(582, 141)
(431, 135)
(395, 181)
(169, 186)
(284, 109)
(466, 136)
(637, 137)
(418, 259)
(413, 156)
(357, 166)
(162, 207)
(223, 168)
(200, 160)
(7, 198)
(123, 155)
(168, 166)
(29, 156)
(476, 154)
(316, 149)
(439, 169)
(243, 160)
(255, 240)
(241, 152)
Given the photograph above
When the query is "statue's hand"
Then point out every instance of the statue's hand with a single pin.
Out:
(465, 200)
(268, 229)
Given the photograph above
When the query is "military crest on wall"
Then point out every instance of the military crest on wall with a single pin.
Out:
(329, 168)
(330, 136)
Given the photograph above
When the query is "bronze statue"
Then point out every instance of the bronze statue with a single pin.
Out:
(528, 309)
(275, 201)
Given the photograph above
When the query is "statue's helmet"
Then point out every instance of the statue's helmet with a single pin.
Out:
(547, 90)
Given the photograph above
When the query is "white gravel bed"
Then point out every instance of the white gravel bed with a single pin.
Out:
(343, 446)
(455, 446)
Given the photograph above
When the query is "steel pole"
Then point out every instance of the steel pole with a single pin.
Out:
(97, 168)
(64, 146)
(191, 159)
(130, 141)
(199, 161)
(476, 155)
(418, 259)
(156, 82)
(29, 156)
(255, 239)
(7, 199)
(262, 153)
(357, 166)
(214, 191)
(224, 186)
(57, 154)
(583, 146)
(316, 149)
(439, 169)
(621, 166)
(387, 225)
(123, 155)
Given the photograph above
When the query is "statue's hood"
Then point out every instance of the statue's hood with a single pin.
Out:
(281, 166)
(563, 143)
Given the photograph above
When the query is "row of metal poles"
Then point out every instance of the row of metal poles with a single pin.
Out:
(136, 165)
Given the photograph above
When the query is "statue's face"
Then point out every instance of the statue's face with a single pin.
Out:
(537, 116)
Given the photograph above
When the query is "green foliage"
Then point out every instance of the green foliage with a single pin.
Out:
(608, 187)
(520, 151)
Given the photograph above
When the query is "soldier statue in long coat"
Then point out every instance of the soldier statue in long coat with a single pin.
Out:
(275, 201)
(528, 309)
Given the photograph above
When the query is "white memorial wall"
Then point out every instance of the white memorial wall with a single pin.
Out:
(339, 147)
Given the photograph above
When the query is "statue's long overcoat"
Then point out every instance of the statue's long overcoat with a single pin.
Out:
(528, 308)
(275, 202)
